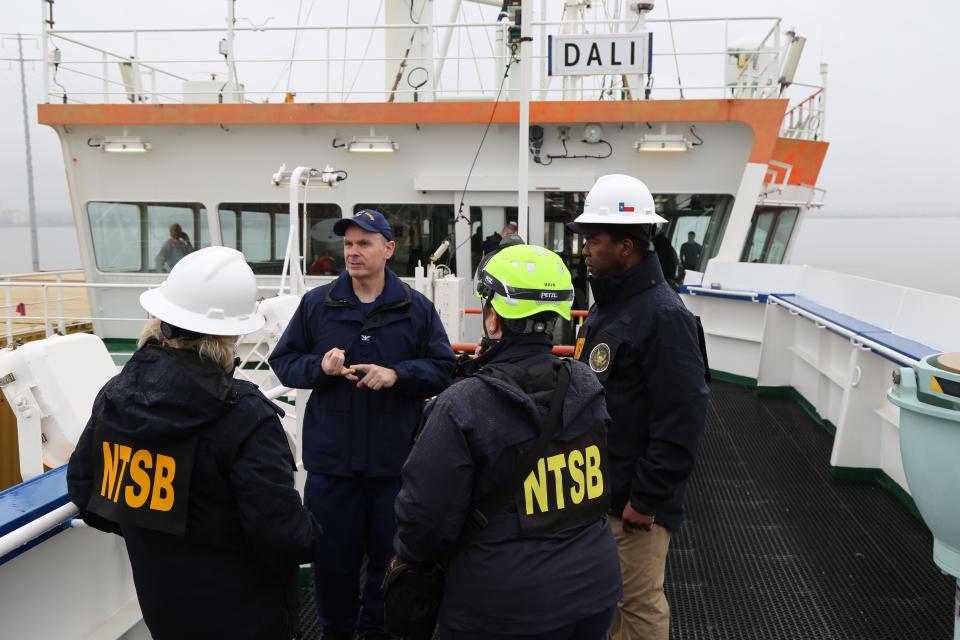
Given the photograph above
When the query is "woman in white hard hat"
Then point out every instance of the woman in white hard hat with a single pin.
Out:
(193, 469)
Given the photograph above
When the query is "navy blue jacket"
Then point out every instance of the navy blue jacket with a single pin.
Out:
(234, 571)
(349, 430)
(502, 582)
(653, 373)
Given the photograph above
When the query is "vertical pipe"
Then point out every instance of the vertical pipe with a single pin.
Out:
(231, 70)
(44, 43)
(61, 325)
(327, 74)
(523, 161)
(431, 61)
(136, 69)
(297, 286)
(31, 198)
(543, 78)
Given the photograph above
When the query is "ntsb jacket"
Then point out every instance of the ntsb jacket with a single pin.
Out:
(507, 580)
(642, 343)
(349, 430)
(193, 469)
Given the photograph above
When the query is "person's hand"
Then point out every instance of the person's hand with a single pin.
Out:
(633, 520)
(375, 377)
(332, 364)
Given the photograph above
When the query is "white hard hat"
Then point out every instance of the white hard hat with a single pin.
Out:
(618, 199)
(211, 291)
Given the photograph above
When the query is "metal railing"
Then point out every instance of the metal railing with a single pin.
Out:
(461, 60)
(56, 316)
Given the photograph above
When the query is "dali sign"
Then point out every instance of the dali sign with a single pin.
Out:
(599, 54)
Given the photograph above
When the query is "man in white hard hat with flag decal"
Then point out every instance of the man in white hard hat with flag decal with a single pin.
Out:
(642, 343)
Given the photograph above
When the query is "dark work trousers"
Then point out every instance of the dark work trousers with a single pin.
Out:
(357, 517)
(592, 628)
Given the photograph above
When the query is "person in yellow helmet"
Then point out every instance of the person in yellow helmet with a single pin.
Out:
(506, 488)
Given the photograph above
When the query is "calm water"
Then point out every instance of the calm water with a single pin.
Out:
(916, 251)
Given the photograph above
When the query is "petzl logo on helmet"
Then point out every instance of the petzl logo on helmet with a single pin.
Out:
(625, 209)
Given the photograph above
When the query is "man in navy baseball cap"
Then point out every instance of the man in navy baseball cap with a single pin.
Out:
(372, 349)
(367, 219)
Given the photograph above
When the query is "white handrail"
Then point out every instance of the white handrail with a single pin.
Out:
(873, 345)
(35, 528)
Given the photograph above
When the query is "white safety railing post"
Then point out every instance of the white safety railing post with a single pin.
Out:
(104, 67)
(327, 74)
(47, 326)
(8, 302)
(61, 325)
(138, 90)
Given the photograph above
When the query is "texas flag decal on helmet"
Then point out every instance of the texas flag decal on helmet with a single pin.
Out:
(625, 209)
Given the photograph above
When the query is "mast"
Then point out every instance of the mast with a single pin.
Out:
(523, 158)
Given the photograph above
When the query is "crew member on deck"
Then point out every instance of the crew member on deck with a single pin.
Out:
(174, 249)
(520, 520)
(193, 468)
(643, 344)
(371, 349)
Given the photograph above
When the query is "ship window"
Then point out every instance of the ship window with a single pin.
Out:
(133, 237)
(769, 235)
(486, 223)
(260, 231)
(703, 215)
(418, 230)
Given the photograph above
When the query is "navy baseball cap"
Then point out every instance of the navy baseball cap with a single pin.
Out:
(368, 220)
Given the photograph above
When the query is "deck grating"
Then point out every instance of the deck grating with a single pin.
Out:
(775, 548)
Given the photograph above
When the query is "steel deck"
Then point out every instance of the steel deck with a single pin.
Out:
(775, 548)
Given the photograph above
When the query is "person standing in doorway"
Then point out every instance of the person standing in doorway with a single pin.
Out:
(642, 343)
(371, 349)
(492, 242)
(690, 253)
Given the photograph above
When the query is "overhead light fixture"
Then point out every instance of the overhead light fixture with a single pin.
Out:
(124, 144)
(592, 133)
(372, 144)
(663, 141)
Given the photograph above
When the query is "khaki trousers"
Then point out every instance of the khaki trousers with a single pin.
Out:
(643, 613)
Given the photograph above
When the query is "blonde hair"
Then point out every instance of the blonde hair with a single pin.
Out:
(220, 349)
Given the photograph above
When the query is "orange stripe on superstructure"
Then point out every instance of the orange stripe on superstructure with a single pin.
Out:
(763, 116)
(805, 158)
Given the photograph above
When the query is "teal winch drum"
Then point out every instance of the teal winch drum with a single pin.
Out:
(929, 401)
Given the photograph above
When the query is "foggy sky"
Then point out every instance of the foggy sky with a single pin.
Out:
(891, 87)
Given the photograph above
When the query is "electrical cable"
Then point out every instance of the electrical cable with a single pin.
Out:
(693, 132)
(459, 215)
